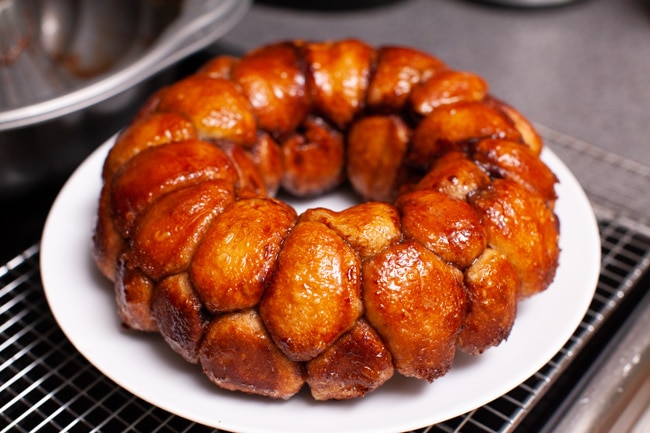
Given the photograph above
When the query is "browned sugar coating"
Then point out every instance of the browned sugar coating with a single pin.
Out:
(357, 363)
(491, 284)
(417, 303)
(457, 224)
(232, 266)
(314, 295)
(238, 354)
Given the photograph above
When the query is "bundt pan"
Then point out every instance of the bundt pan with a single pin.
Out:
(71, 71)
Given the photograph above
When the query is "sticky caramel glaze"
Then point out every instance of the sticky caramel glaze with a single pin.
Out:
(356, 364)
(234, 262)
(337, 77)
(133, 295)
(182, 320)
(456, 227)
(398, 71)
(167, 233)
(491, 283)
(417, 304)
(159, 128)
(376, 149)
(446, 225)
(237, 354)
(160, 170)
(520, 225)
(314, 295)
(313, 159)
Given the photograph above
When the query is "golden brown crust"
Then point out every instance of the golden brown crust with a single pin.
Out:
(454, 174)
(108, 243)
(167, 233)
(451, 126)
(528, 133)
(267, 158)
(273, 80)
(398, 71)
(162, 169)
(337, 77)
(376, 149)
(219, 67)
(181, 318)
(158, 128)
(368, 228)
(446, 225)
(520, 225)
(250, 182)
(313, 160)
(417, 303)
(457, 224)
(314, 295)
(356, 364)
(491, 284)
(233, 263)
(238, 355)
(215, 106)
(518, 163)
(447, 87)
(133, 295)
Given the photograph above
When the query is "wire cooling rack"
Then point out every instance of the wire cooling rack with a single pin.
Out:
(46, 385)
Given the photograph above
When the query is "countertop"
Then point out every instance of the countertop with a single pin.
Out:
(581, 69)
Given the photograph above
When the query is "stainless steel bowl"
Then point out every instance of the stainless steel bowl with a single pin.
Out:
(71, 71)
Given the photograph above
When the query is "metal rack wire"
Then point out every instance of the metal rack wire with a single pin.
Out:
(46, 385)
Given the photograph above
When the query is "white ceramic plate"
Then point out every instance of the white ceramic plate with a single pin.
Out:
(82, 303)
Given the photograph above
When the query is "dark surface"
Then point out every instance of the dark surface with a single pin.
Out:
(22, 218)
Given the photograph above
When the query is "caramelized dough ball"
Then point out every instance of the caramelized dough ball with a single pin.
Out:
(232, 265)
(368, 228)
(273, 80)
(238, 355)
(518, 163)
(356, 364)
(314, 295)
(159, 128)
(150, 106)
(447, 87)
(267, 157)
(160, 170)
(520, 225)
(455, 175)
(376, 148)
(337, 77)
(450, 126)
(133, 294)
(108, 243)
(417, 304)
(491, 284)
(399, 70)
(528, 133)
(313, 161)
(250, 182)
(219, 67)
(447, 226)
(215, 106)
(168, 232)
(180, 316)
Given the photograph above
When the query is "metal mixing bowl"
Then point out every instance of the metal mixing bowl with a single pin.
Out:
(72, 71)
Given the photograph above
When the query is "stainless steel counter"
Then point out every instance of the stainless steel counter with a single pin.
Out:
(581, 69)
